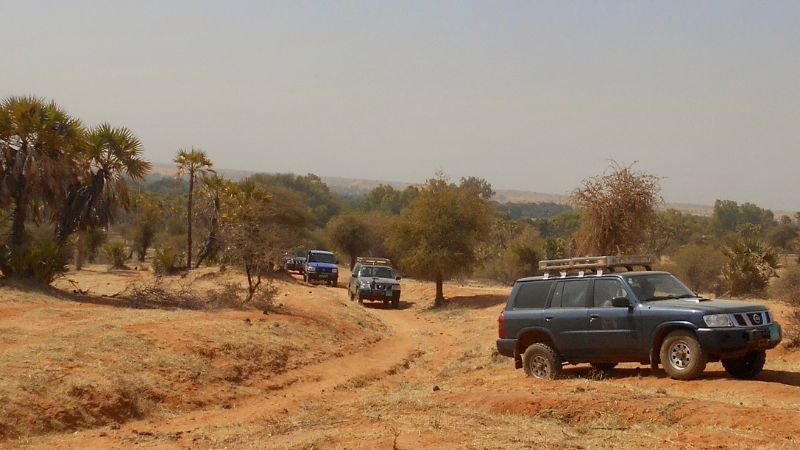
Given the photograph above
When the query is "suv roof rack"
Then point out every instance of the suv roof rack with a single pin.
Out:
(373, 261)
(596, 263)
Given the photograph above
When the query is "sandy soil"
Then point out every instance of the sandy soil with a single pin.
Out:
(374, 377)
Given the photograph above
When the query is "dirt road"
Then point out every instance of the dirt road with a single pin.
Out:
(434, 382)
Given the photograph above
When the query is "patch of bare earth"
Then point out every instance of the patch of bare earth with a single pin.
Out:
(435, 381)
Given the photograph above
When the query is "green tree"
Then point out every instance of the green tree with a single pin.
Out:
(619, 211)
(39, 159)
(194, 163)
(700, 266)
(437, 235)
(350, 234)
(113, 156)
(315, 193)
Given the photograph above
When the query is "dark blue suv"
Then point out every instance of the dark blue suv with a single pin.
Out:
(634, 316)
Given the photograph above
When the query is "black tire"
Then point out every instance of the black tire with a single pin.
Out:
(541, 361)
(682, 356)
(603, 367)
(395, 303)
(352, 296)
(746, 367)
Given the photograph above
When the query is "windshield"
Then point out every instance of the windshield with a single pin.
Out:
(376, 272)
(322, 258)
(658, 286)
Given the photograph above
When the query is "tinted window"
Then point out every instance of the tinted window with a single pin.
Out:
(322, 258)
(533, 294)
(556, 301)
(376, 272)
(575, 294)
(605, 290)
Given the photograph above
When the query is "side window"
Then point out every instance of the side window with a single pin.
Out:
(605, 290)
(557, 294)
(533, 294)
(575, 294)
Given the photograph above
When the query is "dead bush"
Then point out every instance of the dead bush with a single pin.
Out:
(154, 294)
(791, 332)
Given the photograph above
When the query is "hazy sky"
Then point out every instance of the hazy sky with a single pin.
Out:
(529, 95)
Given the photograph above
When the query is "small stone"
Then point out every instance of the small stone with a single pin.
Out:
(436, 388)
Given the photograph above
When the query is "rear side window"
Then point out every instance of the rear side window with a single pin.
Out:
(533, 294)
(576, 294)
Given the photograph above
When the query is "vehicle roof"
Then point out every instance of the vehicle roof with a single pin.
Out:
(363, 266)
(321, 251)
(591, 275)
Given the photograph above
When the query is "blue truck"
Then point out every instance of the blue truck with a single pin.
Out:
(591, 312)
(321, 265)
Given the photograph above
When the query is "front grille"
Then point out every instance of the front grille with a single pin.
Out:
(324, 270)
(752, 319)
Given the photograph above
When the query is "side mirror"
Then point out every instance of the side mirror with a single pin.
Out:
(620, 302)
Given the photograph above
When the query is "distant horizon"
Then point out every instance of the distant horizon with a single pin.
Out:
(703, 209)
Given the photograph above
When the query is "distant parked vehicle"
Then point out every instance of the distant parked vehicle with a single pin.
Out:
(321, 266)
(374, 279)
(295, 262)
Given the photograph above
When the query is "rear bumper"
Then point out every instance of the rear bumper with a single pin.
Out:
(506, 347)
(731, 342)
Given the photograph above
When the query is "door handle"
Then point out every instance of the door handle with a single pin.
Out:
(593, 316)
(549, 318)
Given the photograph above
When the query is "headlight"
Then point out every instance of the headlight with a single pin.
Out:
(311, 268)
(718, 320)
(363, 284)
(335, 269)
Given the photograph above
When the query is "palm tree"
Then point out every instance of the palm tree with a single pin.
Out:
(194, 163)
(214, 187)
(111, 155)
(39, 159)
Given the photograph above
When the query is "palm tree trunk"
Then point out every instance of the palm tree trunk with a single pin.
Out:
(189, 223)
(20, 212)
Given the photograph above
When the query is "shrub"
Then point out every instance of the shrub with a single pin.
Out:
(94, 239)
(791, 332)
(117, 253)
(787, 286)
(167, 261)
(699, 266)
(749, 266)
(42, 260)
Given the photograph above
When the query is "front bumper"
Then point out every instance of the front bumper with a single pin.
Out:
(731, 342)
(378, 294)
(327, 276)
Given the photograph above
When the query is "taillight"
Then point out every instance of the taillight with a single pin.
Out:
(501, 326)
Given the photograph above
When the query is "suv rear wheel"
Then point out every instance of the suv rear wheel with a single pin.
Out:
(541, 361)
(747, 366)
(682, 356)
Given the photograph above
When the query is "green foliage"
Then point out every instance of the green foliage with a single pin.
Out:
(315, 193)
(562, 225)
(94, 239)
(619, 211)
(519, 258)
(534, 210)
(436, 237)
(42, 260)
(167, 261)
(196, 164)
(117, 253)
(749, 266)
(389, 200)
(699, 266)
(350, 234)
(680, 228)
(729, 216)
(555, 248)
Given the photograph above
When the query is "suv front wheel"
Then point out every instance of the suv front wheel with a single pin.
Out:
(682, 356)
(747, 366)
(541, 361)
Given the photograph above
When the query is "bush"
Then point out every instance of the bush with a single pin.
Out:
(94, 239)
(791, 332)
(699, 266)
(167, 261)
(787, 286)
(117, 253)
(749, 266)
(43, 260)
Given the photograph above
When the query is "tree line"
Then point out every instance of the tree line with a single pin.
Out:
(75, 192)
